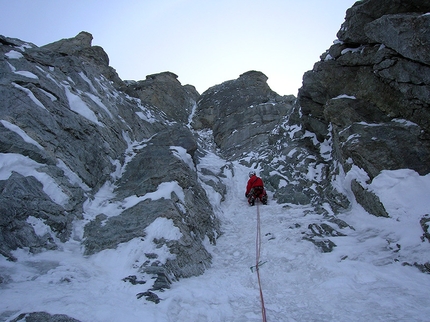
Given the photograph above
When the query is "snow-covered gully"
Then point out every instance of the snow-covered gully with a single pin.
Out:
(362, 279)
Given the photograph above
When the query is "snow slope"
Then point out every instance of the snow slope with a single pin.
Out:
(362, 279)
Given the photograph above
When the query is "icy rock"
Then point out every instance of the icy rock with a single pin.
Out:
(325, 245)
(324, 230)
(149, 296)
(43, 317)
(425, 226)
(368, 200)
(133, 280)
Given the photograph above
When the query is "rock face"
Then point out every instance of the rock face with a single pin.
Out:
(370, 91)
(241, 113)
(71, 128)
(165, 91)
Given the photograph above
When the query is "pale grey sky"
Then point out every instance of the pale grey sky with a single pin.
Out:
(204, 42)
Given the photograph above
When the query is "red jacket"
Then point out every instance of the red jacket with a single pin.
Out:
(254, 181)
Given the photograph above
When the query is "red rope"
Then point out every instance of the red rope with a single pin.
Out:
(257, 263)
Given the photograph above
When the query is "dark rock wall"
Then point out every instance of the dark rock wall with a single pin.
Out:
(370, 91)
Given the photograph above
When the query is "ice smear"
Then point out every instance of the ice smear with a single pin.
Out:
(87, 80)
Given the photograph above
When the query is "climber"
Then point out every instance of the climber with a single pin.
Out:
(255, 189)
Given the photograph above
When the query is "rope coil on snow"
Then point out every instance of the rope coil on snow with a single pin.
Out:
(258, 263)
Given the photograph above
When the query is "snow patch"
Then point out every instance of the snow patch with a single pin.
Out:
(344, 96)
(87, 80)
(404, 122)
(50, 96)
(21, 133)
(79, 106)
(12, 162)
(183, 155)
(30, 95)
(98, 101)
(72, 176)
(24, 73)
(352, 50)
(13, 54)
(39, 226)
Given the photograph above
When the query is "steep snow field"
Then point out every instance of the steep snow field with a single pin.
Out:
(362, 279)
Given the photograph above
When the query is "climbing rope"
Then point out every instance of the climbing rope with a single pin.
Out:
(258, 263)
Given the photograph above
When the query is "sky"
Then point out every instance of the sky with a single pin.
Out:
(204, 42)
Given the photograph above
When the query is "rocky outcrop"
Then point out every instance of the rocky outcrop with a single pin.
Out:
(241, 113)
(369, 94)
(166, 92)
(363, 13)
(43, 316)
(68, 131)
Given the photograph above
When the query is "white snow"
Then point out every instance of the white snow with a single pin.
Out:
(328, 57)
(12, 162)
(13, 54)
(315, 172)
(51, 97)
(20, 132)
(362, 279)
(352, 50)
(87, 80)
(30, 95)
(183, 155)
(344, 96)
(164, 191)
(24, 73)
(191, 116)
(404, 122)
(102, 200)
(79, 106)
(40, 228)
(145, 113)
(98, 101)
(72, 176)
